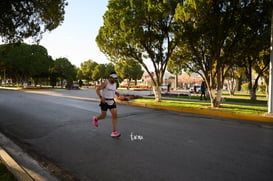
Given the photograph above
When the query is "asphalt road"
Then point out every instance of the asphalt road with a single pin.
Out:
(154, 145)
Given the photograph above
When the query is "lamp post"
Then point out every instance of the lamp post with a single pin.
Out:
(270, 101)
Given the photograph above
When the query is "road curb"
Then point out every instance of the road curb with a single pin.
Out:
(204, 112)
(19, 173)
(20, 164)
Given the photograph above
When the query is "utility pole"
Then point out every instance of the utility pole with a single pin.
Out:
(270, 91)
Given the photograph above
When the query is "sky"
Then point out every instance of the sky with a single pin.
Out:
(75, 39)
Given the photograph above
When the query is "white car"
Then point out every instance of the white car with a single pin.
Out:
(75, 85)
(164, 87)
(197, 88)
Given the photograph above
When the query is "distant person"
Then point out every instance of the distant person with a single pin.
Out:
(107, 91)
(194, 89)
(80, 83)
(203, 90)
(169, 88)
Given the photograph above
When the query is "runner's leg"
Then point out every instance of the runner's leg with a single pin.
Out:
(102, 115)
(114, 118)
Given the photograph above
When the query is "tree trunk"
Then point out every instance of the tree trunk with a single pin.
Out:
(157, 93)
(176, 81)
(240, 80)
(128, 84)
(232, 92)
(267, 83)
(218, 98)
(253, 89)
(253, 96)
(211, 93)
(231, 84)
(215, 97)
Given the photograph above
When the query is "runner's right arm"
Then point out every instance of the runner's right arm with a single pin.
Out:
(98, 91)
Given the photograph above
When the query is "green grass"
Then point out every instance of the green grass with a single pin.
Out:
(246, 95)
(5, 174)
(246, 101)
(234, 108)
(261, 100)
(244, 109)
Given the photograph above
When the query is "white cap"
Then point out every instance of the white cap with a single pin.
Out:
(114, 76)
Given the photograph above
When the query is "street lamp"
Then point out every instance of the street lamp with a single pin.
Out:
(270, 101)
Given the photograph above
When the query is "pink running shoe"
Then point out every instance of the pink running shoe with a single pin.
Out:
(95, 121)
(115, 134)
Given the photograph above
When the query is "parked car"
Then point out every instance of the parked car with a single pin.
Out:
(164, 87)
(195, 89)
(75, 85)
(72, 85)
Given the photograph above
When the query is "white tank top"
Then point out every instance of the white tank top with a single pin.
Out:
(110, 90)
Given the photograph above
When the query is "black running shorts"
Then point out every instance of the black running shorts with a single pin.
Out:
(104, 106)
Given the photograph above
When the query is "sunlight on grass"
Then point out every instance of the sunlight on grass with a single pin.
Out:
(234, 108)
(243, 109)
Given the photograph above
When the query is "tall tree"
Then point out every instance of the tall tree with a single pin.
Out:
(258, 64)
(22, 62)
(21, 19)
(142, 30)
(64, 70)
(231, 79)
(87, 68)
(109, 67)
(175, 67)
(130, 70)
(40, 63)
(99, 72)
(213, 31)
(255, 43)
(18, 62)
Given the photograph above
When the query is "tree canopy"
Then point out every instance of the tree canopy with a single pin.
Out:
(141, 31)
(218, 35)
(20, 19)
(64, 70)
(87, 68)
(207, 37)
(130, 70)
(23, 61)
